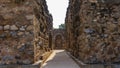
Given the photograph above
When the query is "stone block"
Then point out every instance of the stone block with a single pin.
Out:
(29, 27)
(29, 17)
(20, 33)
(6, 27)
(22, 28)
(13, 27)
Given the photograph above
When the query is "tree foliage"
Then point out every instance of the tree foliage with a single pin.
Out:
(62, 26)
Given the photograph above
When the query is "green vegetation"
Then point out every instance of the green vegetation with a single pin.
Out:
(62, 26)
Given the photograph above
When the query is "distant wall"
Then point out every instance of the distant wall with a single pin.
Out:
(59, 38)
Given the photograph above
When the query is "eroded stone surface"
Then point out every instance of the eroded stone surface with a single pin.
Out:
(17, 30)
(93, 30)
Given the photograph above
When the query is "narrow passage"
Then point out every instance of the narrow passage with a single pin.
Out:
(60, 59)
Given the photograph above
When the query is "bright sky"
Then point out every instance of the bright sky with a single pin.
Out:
(58, 10)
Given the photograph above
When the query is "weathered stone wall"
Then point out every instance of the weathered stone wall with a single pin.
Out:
(20, 66)
(59, 38)
(42, 30)
(17, 29)
(93, 33)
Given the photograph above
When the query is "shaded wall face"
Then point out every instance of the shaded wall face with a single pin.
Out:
(42, 30)
(93, 31)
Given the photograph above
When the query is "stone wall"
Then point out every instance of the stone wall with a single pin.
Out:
(20, 66)
(17, 29)
(93, 33)
(42, 30)
(59, 38)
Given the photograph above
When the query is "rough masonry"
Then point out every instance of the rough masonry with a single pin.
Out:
(93, 30)
(59, 39)
(21, 21)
